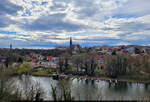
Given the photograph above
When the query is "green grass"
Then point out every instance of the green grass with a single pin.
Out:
(135, 77)
(73, 69)
(99, 72)
(96, 70)
(53, 72)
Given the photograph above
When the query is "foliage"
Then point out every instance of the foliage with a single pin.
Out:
(8, 71)
(96, 70)
(10, 92)
(102, 73)
(25, 68)
(115, 65)
(43, 71)
(73, 69)
(99, 72)
(135, 77)
(53, 72)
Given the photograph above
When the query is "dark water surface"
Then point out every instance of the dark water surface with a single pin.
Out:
(91, 90)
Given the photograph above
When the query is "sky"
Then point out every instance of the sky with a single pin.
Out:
(50, 23)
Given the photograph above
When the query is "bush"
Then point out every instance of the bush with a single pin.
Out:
(96, 70)
(99, 72)
(53, 72)
(74, 69)
(43, 71)
(25, 68)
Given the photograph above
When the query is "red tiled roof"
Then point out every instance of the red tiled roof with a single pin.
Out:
(98, 57)
(62, 47)
(120, 52)
(35, 61)
(105, 47)
(49, 57)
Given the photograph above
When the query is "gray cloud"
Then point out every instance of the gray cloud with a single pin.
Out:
(58, 6)
(134, 26)
(53, 23)
(86, 8)
(108, 21)
(133, 8)
(7, 8)
(130, 27)
(5, 21)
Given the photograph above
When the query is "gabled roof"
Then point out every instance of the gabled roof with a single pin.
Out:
(98, 57)
(105, 47)
(35, 61)
(62, 47)
(120, 52)
(49, 57)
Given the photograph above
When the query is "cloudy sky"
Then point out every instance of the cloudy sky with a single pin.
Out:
(50, 23)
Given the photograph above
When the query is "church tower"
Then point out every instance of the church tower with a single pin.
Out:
(71, 47)
(10, 46)
(70, 42)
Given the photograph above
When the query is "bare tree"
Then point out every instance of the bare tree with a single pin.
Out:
(31, 90)
(65, 94)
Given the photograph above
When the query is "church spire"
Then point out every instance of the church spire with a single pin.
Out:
(10, 46)
(71, 45)
(70, 41)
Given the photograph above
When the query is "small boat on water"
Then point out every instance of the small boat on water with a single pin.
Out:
(116, 81)
(55, 76)
(110, 81)
(63, 76)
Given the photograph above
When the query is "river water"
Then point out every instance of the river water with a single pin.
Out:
(83, 90)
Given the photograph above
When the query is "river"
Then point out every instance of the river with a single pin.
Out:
(83, 90)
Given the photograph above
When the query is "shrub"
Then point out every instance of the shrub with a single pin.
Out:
(25, 68)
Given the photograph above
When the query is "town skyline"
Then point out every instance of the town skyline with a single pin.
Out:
(67, 45)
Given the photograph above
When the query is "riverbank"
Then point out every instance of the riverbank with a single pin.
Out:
(42, 75)
(94, 78)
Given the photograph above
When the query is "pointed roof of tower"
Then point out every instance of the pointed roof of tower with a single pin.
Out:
(70, 41)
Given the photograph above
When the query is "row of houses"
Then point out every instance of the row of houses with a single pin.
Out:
(127, 50)
(53, 62)
(46, 62)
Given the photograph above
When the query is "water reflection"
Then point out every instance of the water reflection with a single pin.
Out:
(90, 89)
(147, 87)
(118, 87)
